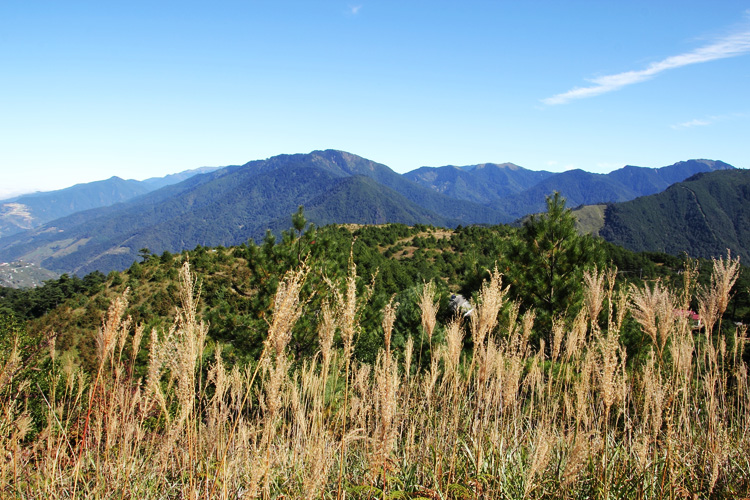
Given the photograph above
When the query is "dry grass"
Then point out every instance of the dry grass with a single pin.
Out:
(506, 421)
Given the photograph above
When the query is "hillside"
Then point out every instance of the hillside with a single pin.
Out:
(230, 206)
(589, 219)
(702, 216)
(576, 186)
(33, 210)
(362, 200)
(237, 282)
(645, 181)
(23, 275)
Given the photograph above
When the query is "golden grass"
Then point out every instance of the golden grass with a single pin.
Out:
(566, 420)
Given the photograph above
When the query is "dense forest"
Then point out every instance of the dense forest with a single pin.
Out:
(336, 354)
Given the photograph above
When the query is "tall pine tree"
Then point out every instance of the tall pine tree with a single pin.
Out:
(545, 263)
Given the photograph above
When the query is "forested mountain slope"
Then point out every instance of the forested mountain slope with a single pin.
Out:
(484, 183)
(584, 188)
(703, 216)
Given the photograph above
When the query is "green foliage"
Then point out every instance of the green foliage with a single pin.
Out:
(23, 366)
(145, 254)
(35, 302)
(11, 331)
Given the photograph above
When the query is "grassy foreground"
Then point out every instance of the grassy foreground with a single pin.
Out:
(569, 419)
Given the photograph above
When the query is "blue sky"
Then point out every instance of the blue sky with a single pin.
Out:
(140, 89)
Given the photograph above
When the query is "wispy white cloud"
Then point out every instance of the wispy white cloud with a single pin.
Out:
(354, 9)
(693, 123)
(729, 46)
(702, 122)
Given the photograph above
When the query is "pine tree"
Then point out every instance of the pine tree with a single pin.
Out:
(545, 264)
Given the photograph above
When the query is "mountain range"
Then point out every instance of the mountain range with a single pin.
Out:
(233, 204)
(237, 203)
(486, 183)
(32, 210)
(518, 191)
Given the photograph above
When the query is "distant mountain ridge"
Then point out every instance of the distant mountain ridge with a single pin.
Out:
(31, 210)
(159, 182)
(518, 191)
(485, 183)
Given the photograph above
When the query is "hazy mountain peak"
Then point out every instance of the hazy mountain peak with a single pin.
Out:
(713, 164)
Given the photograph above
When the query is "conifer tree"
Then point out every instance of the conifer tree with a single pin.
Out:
(546, 262)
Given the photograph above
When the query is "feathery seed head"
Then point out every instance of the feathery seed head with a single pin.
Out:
(491, 299)
(326, 330)
(454, 337)
(428, 304)
(724, 276)
(113, 327)
(389, 318)
(593, 294)
(654, 309)
(287, 309)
